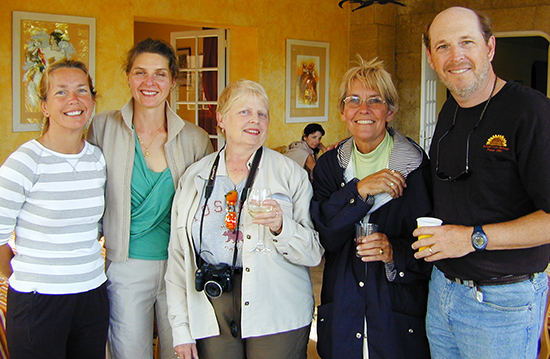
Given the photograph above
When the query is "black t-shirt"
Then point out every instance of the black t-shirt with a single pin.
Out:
(509, 161)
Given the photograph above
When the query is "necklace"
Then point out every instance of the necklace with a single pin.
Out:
(146, 153)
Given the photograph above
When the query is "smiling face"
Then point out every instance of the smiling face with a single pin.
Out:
(150, 80)
(313, 139)
(367, 126)
(69, 102)
(459, 53)
(246, 123)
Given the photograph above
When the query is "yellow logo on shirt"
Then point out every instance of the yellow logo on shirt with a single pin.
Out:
(496, 143)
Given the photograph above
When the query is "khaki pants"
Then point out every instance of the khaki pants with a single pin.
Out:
(286, 345)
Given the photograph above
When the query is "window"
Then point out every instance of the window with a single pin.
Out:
(202, 62)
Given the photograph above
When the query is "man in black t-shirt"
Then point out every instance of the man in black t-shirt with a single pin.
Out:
(491, 185)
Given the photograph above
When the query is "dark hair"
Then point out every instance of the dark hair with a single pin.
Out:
(485, 26)
(151, 46)
(44, 86)
(312, 128)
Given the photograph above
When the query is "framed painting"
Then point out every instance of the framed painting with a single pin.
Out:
(39, 40)
(307, 81)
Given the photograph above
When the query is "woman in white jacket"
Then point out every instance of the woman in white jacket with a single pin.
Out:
(267, 309)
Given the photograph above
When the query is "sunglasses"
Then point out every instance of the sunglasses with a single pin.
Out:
(231, 216)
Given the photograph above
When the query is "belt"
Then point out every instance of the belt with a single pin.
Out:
(509, 279)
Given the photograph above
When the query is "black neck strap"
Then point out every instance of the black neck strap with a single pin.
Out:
(208, 192)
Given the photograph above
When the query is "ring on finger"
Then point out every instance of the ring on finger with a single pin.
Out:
(380, 251)
(431, 251)
(276, 214)
(392, 184)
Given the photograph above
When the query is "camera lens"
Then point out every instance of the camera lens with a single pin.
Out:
(213, 289)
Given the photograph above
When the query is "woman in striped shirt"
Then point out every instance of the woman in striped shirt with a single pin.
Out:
(52, 196)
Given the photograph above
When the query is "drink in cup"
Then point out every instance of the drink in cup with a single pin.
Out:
(364, 229)
(427, 222)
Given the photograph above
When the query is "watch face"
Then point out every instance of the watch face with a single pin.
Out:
(478, 240)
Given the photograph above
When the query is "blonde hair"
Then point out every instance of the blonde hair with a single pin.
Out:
(45, 82)
(236, 91)
(372, 75)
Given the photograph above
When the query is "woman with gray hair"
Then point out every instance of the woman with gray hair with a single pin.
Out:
(373, 299)
(226, 299)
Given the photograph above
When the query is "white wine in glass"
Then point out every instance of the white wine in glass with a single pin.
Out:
(255, 200)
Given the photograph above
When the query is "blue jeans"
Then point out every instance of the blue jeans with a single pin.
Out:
(506, 323)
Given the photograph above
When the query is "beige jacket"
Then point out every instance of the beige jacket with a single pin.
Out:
(112, 131)
(277, 292)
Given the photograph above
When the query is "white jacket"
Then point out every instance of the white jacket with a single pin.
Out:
(277, 293)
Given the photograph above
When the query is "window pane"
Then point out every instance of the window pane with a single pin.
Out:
(207, 118)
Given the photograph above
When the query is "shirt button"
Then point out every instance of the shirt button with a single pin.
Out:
(358, 335)
(411, 331)
(361, 284)
(247, 269)
(401, 274)
(285, 254)
(275, 241)
(246, 303)
(352, 200)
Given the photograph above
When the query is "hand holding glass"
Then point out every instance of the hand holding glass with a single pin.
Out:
(256, 198)
(364, 230)
(427, 222)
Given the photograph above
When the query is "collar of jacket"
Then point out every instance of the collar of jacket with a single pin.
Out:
(406, 156)
(174, 122)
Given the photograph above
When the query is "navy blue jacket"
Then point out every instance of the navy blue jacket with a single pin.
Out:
(395, 310)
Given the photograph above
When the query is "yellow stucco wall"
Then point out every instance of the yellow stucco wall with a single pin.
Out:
(258, 32)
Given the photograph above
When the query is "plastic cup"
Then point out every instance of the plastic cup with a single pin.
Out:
(427, 222)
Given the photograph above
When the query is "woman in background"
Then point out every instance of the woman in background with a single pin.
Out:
(147, 147)
(52, 195)
(267, 310)
(374, 293)
(306, 151)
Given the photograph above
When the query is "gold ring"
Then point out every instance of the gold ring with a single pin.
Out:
(431, 252)
(276, 214)
(392, 184)
(381, 251)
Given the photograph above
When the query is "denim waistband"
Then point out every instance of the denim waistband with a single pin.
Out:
(509, 279)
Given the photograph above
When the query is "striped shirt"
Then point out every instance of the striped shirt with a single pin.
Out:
(54, 202)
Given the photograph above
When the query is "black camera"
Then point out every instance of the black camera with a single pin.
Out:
(213, 279)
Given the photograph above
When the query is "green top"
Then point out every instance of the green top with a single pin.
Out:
(366, 164)
(152, 194)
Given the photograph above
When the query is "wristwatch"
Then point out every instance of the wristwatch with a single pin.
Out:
(479, 239)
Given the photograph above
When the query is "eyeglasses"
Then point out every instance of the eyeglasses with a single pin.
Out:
(231, 216)
(464, 174)
(374, 102)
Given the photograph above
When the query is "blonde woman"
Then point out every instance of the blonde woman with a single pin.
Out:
(52, 196)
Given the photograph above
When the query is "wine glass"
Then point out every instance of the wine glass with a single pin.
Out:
(255, 200)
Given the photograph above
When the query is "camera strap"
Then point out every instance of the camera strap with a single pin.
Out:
(208, 192)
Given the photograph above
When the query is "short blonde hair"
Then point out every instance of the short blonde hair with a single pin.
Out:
(236, 91)
(372, 75)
